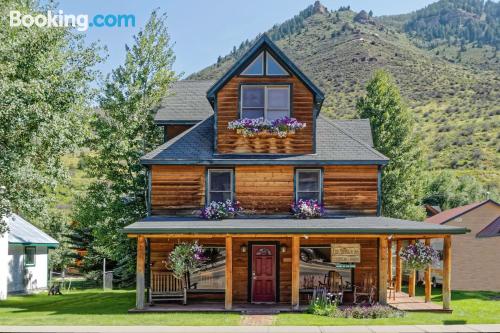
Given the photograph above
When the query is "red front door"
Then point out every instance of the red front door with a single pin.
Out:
(263, 273)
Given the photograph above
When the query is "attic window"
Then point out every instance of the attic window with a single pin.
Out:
(272, 68)
(270, 102)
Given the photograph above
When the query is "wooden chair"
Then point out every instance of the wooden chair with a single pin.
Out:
(391, 289)
(366, 290)
(166, 287)
(336, 286)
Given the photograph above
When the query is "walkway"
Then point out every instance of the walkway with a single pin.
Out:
(253, 329)
(404, 302)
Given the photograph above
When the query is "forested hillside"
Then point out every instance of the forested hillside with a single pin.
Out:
(453, 89)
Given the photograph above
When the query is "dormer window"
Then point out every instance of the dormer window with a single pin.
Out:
(271, 68)
(265, 101)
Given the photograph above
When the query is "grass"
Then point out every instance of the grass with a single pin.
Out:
(94, 307)
(468, 308)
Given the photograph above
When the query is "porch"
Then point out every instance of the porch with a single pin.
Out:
(366, 245)
(402, 301)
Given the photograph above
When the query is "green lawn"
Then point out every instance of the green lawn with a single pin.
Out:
(94, 307)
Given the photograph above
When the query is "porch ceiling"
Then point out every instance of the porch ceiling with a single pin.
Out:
(348, 225)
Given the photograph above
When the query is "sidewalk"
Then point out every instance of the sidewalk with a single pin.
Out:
(253, 329)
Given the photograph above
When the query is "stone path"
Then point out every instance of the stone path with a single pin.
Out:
(257, 320)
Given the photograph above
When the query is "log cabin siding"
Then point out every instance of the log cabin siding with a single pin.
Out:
(350, 189)
(265, 189)
(228, 109)
(177, 188)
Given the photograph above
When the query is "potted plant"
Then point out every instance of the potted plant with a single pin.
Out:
(418, 256)
(261, 127)
(221, 210)
(184, 259)
(306, 209)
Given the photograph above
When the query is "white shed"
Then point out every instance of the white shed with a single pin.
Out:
(24, 257)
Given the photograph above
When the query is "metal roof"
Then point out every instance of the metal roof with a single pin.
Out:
(334, 145)
(186, 103)
(23, 232)
(334, 225)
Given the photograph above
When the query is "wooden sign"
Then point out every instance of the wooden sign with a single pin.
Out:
(346, 253)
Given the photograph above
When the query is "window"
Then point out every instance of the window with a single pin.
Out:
(270, 102)
(211, 274)
(220, 185)
(29, 255)
(272, 68)
(316, 269)
(308, 184)
(256, 67)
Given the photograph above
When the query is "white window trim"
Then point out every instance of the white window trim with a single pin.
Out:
(264, 66)
(266, 88)
(320, 185)
(231, 184)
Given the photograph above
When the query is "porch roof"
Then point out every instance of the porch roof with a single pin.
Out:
(332, 225)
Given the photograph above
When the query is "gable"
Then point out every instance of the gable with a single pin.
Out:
(250, 61)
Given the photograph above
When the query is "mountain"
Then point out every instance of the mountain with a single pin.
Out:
(455, 101)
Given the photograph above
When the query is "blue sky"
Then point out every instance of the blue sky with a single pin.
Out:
(202, 30)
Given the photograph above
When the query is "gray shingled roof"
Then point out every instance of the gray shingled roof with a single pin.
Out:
(334, 145)
(348, 225)
(23, 232)
(187, 102)
(359, 128)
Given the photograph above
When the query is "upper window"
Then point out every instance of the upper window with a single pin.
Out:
(29, 255)
(269, 102)
(220, 185)
(271, 68)
(308, 184)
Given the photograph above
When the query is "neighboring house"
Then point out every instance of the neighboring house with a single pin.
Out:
(24, 257)
(266, 255)
(476, 255)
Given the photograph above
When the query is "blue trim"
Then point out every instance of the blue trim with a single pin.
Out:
(176, 122)
(216, 133)
(321, 187)
(379, 191)
(207, 181)
(148, 198)
(263, 42)
(262, 162)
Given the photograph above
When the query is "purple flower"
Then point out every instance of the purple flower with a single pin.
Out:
(281, 126)
(304, 209)
(220, 210)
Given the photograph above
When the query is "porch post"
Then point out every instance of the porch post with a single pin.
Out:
(399, 267)
(411, 280)
(295, 272)
(389, 261)
(229, 273)
(382, 264)
(447, 272)
(141, 257)
(428, 282)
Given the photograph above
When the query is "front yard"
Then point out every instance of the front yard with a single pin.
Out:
(94, 307)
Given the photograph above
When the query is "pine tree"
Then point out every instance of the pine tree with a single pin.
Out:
(394, 136)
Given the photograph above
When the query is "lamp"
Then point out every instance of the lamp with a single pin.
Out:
(243, 248)
(283, 248)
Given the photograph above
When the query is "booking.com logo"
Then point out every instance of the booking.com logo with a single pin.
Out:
(81, 22)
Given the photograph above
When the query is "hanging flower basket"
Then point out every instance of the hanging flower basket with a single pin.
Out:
(307, 209)
(418, 256)
(221, 210)
(281, 127)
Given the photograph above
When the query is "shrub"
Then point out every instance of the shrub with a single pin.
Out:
(221, 210)
(306, 209)
(322, 306)
(369, 312)
(184, 259)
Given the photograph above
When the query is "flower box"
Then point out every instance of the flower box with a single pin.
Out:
(280, 128)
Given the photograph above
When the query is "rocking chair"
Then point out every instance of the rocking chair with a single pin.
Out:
(366, 290)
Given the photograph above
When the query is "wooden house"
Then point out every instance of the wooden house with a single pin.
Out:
(265, 255)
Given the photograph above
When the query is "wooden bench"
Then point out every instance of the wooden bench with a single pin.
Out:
(166, 287)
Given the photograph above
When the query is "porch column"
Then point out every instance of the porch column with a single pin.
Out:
(447, 272)
(389, 261)
(382, 264)
(229, 273)
(295, 272)
(399, 267)
(411, 279)
(428, 282)
(141, 258)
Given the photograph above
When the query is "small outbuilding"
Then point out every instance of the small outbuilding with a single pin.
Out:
(24, 255)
